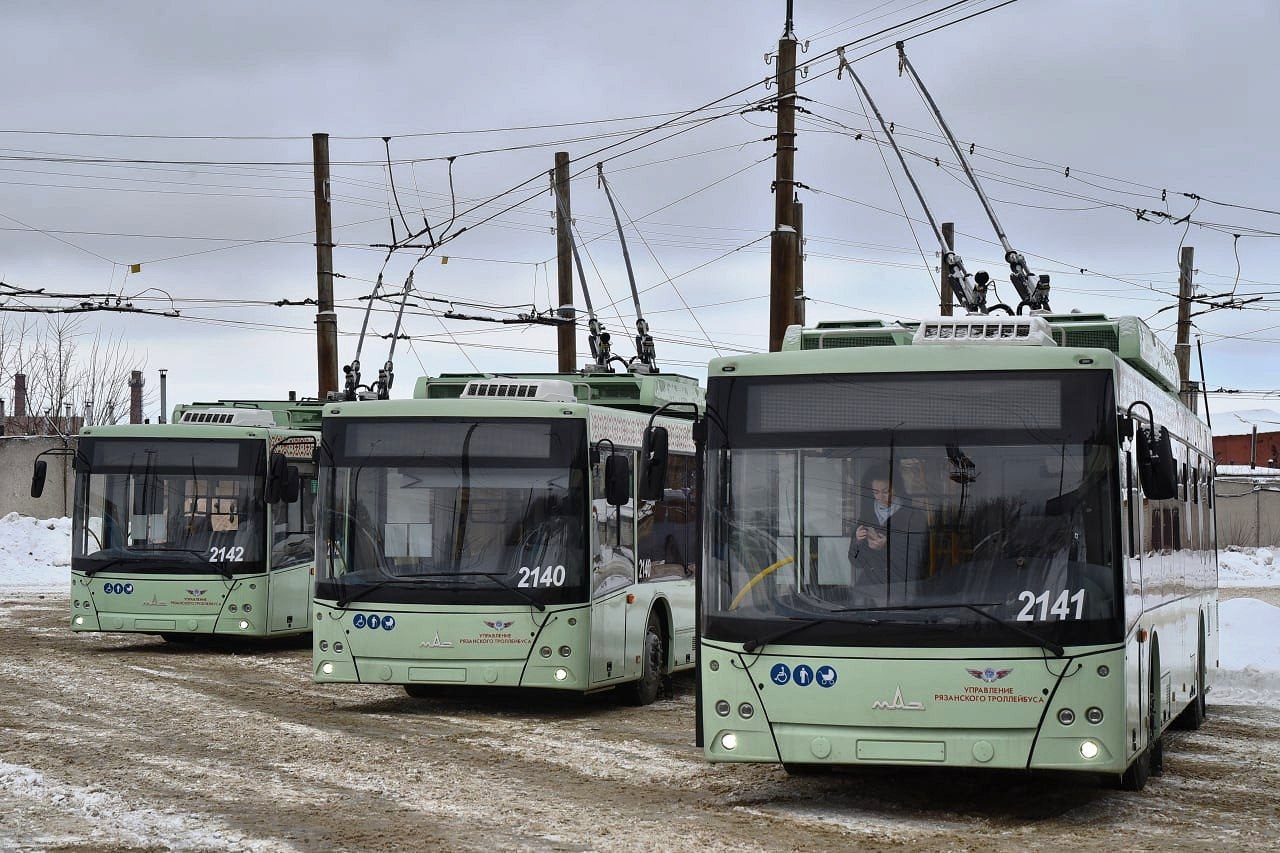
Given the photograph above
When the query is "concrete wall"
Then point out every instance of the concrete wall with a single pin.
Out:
(17, 455)
(1248, 511)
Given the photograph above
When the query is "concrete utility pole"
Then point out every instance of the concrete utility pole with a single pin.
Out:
(567, 333)
(1182, 350)
(784, 247)
(944, 283)
(326, 317)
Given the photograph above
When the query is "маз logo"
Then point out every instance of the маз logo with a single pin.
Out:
(897, 704)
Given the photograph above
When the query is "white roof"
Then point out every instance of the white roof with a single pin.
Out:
(1242, 422)
(1246, 471)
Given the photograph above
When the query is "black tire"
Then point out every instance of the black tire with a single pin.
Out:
(653, 659)
(1155, 738)
(1135, 777)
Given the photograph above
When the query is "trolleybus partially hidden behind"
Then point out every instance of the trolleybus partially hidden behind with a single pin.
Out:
(197, 527)
(489, 532)
(973, 542)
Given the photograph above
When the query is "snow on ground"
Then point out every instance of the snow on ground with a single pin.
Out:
(1247, 567)
(1249, 652)
(34, 553)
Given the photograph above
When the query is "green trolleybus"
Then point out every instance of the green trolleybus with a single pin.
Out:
(203, 526)
(490, 532)
(973, 542)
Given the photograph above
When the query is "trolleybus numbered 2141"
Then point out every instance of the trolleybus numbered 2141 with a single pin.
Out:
(197, 527)
(982, 542)
(490, 532)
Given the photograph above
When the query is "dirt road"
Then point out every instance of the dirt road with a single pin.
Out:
(126, 742)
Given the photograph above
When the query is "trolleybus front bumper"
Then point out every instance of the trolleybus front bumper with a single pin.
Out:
(177, 604)
(970, 708)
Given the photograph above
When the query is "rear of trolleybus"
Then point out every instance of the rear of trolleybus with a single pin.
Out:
(184, 530)
(916, 556)
(492, 541)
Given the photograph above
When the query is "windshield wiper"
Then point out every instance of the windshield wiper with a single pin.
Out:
(976, 607)
(760, 642)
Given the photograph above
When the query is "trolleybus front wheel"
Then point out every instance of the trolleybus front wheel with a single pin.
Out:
(645, 691)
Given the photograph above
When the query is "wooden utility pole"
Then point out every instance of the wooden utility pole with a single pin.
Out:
(1182, 350)
(326, 317)
(784, 247)
(944, 283)
(566, 333)
(798, 218)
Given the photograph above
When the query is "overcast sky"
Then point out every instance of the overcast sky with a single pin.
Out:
(1174, 94)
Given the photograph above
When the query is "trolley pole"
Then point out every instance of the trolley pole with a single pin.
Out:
(566, 333)
(326, 317)
(1182, 350)
(784, 246)
(944, 283)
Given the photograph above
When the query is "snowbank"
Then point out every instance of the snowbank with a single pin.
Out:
(34, 553)
(1247, 567)
(1249, 652)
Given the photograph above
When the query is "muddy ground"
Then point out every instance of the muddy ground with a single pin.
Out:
(125, 742)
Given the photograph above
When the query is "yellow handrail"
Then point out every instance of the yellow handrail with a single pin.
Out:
(760, 575)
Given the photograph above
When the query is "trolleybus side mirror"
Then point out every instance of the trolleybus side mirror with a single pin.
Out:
(653, 463)
(292, 484)
(1157, 469)
(38, 474)
(617, 479)
(277, 474)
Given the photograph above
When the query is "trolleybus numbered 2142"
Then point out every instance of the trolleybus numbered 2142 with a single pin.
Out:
(198, 527)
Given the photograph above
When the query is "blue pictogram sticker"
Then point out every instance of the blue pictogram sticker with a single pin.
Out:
(358, 620)
(388, 622)
(374, 621)
(826, 676)
(803, 675)
(128, 589)
(780, 674)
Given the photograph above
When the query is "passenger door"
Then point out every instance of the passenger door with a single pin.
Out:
(613, 571)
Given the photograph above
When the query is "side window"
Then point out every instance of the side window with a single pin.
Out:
(666, 538)
(293, 527)
(613, 561)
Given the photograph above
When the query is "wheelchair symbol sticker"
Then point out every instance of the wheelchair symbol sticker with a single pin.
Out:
(780, 674)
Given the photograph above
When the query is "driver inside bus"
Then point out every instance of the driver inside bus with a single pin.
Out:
(890, 539)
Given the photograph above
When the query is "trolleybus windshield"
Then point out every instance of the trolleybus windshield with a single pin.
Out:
(455, 511)
(169, 505)
(838, 498)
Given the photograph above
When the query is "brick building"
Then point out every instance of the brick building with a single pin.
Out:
(1250, 437)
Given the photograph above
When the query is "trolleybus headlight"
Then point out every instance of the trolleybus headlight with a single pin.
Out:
(745, 711)
(79, 620)
(722, 708)
(326, 668)
(1093, 715)
(244, 626)
(561, 674)
(1066, 716)
(1089, 749)
(729, 741)
(232, 608)
(1104, 670)
(324, 645)
(248, 607)
(565, 651)
(545, 651)
(714, 665)
(337, 647)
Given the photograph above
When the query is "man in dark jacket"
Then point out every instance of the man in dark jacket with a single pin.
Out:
(890, 543)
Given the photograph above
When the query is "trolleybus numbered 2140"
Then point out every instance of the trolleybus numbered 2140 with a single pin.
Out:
(490, 532)
(983, 542)
(197, 527)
